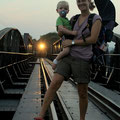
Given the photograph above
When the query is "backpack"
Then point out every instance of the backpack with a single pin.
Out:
(105, 35)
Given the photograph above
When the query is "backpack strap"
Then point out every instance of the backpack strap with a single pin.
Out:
(89, 25)
(90, 22)
(73, 20)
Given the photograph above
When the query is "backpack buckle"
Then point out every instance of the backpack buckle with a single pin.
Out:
(88, 25)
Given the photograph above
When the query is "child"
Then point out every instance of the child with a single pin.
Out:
(64, 29)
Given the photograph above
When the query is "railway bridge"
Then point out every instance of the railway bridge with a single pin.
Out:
(25, 77)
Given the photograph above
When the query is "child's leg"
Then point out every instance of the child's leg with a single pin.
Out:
(60, 55)
(63, 53)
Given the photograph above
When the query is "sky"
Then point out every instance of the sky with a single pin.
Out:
(38, 17)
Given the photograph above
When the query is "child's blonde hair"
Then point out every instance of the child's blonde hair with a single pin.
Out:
(62, 3)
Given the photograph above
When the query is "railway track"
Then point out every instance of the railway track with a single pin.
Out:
(59, 109)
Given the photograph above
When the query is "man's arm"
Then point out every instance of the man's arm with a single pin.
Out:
(89, 40)
(63, 30)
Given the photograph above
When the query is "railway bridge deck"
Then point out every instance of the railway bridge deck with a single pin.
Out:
(31, 100)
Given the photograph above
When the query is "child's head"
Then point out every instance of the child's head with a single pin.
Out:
(62, 8)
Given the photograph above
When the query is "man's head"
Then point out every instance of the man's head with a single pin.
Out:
(85, 4)
(62, 8)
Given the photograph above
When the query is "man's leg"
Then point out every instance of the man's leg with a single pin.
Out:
(54, 86)
(83, 99)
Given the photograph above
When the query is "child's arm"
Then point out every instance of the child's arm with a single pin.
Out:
(63, 30)
(63, 53)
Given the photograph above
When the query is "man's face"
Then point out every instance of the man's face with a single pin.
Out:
(83, 4)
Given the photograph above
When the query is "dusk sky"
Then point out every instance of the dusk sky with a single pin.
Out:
(38, 17)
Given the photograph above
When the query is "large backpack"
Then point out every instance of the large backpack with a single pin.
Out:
(105, 35)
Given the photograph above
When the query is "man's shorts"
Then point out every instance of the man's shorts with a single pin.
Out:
(80, 69)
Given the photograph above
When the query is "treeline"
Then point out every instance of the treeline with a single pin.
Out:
(49, 39)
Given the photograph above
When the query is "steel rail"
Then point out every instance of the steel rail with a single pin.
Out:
(112, 55)
(105, 104)
(15, 53)
(54, 114)
(15, 63)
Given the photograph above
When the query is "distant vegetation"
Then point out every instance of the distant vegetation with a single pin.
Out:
(49, 38)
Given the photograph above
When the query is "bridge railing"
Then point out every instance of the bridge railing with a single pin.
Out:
(16, 73)
(11, 57)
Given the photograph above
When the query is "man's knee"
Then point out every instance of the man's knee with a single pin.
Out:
(55, 85)
(56, 82)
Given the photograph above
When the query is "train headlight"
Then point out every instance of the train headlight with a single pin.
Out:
(41, 46)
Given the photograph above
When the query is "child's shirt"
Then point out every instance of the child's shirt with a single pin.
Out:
(63, 21)
(66, 23)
